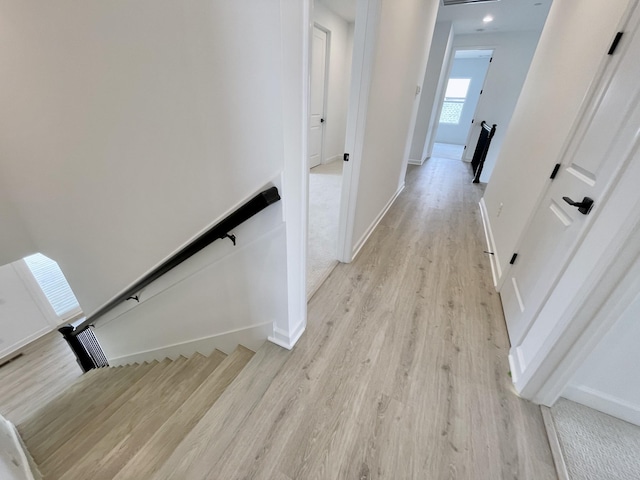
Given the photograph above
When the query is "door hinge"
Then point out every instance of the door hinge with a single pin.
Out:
(555, 171)
(346, 157)
(473, 120)
(491, 60)
(481, 92)
(465, 147)
(513, 259)
(615, 43)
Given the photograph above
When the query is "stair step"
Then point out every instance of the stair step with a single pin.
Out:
(79, 415)
(95, 428)
(160, 446)
(137, 421)
(58, 405)
(196, 455)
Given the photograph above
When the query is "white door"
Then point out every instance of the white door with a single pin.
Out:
(318, 77)
(600, 147)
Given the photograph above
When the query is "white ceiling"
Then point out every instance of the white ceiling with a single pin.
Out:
(509, 15)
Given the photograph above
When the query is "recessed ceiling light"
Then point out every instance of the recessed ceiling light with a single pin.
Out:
(487, 19)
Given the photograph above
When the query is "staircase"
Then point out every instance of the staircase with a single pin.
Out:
(124, 422)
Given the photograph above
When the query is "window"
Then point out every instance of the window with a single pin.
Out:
(52, 282)
(454, 98)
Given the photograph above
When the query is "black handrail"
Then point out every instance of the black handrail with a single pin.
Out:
(218, 231)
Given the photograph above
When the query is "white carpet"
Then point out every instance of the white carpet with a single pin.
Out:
(325, 186)
(447, 150)
(596, 446)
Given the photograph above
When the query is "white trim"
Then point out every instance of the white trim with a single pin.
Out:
(251, 337)
(554, 443)
(413, 161)
(335, 158)
(496, 271)
(8, 351)
(296, 30)
(284, 339)
(364, 46)
(15, 460)
(375, 223)
(33, 287)
(603, 402)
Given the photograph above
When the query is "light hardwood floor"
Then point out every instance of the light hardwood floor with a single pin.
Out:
(45, 369)
(401, 374)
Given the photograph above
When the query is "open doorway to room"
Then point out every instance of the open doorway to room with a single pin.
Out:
(462, 93)
(331, 51)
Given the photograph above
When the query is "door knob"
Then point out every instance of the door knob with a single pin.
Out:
(322, 120)
(583, 207)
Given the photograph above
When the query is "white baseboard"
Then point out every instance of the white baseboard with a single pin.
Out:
(284, 340)
(15, 461)
(251, 337)
(554, 443)
(603, 402)
(375, 223)
(496, 271)
(5, 353)
(413, 161)
(335, 158)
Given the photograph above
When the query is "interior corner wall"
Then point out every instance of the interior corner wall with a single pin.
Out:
(404, 26)
(572, 46)
(431, 88)
(16, 242)
(507, 72)
(339, 72)
(603, 381)
(128, 128)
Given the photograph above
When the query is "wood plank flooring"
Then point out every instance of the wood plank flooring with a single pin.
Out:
(45, 369)
(401, 374)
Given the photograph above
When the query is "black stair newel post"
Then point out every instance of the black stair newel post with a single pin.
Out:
(480, 154)
(85, 347)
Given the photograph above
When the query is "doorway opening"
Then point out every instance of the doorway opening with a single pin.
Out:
(462, 93)
(331, 52)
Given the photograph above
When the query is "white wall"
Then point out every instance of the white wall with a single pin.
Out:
(606, 380)
(512, 56)
(15, 241)
(129, 127)
(24, 315)
(406, 27)
(475, 69)
(208, 301)
(574, 40)
(432, 87)
(339, 72)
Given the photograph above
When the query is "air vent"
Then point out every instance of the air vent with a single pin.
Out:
(448, 3)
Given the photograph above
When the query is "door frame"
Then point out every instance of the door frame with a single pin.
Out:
(325, 104)
(440, 103)
(365, 38)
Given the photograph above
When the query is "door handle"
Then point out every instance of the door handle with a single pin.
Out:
(583, 207)
(322, 120)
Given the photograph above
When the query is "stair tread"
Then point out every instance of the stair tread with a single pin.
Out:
(151, 456)
(137, 421)
(56, 406)
(77, 408)
(58, 432)
(76, 445)
(196, 454)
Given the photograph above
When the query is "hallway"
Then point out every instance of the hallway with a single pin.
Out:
(402, 372)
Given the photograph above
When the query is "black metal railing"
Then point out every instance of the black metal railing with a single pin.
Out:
(88, 351)
(480, 154)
